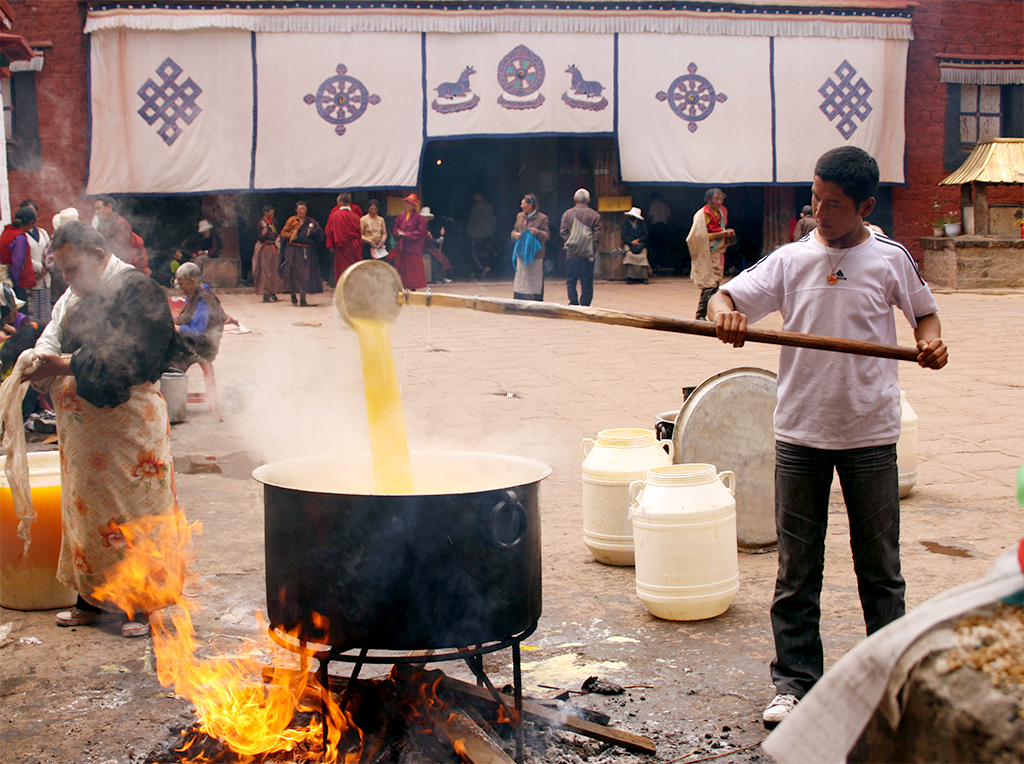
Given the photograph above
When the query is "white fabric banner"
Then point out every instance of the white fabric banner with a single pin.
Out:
(695, 109)
(516, 84)
(329, 118)
(831, 93)
(171, 113)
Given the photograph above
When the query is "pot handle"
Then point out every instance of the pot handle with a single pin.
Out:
(670, 448)
(504, 524)
(731, 485)
(583, 446)
(635, 489)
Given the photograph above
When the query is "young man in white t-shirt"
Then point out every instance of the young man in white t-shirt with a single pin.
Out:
(834, 410)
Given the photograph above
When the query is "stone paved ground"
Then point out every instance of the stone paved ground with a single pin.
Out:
(86, 695)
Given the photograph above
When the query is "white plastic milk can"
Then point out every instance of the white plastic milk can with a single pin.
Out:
(610, 464)
(906, 447)
(684, 529)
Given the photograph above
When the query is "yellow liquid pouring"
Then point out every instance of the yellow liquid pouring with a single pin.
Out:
(388, 442)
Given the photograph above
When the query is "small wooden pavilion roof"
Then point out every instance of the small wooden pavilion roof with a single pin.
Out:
(1000, 160)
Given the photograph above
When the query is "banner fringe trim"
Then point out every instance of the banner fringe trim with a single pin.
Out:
(475, 22)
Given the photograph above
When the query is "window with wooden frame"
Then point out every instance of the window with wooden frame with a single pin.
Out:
(984, 100)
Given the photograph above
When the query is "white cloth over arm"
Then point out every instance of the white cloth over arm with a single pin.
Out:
(702, 269)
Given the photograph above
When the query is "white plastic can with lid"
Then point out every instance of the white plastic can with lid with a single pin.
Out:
(610, 464)
(684, 531)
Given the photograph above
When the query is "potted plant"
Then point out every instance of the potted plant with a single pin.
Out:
(952, 225)
(938, 218)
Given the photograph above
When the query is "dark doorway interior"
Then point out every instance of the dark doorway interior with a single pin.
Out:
(502, 171)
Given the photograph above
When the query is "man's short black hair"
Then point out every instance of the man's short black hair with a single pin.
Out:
(21, 341)
(344, 198)
(710, 194)
(852, 169)
(79, 235)
(26, 216)
(107, 200)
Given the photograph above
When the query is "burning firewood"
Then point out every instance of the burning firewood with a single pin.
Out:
(432, 717)
(539, 713)
(469, 740)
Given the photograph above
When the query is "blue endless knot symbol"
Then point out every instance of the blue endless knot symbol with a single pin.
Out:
(168, 101)
(846, 99)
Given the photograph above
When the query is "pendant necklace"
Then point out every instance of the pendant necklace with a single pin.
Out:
(833, 277)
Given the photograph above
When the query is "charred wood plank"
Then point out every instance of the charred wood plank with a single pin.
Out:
(467, 738)
(483, 724)
(539, 713)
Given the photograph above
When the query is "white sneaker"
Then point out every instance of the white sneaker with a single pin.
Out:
(779, 709)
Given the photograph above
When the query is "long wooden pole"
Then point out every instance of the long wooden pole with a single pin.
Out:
(658, 323)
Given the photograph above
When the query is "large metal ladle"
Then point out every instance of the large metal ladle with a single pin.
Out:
(395, 292)
(368, 291)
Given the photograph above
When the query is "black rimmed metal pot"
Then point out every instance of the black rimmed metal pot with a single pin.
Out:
(457, 564)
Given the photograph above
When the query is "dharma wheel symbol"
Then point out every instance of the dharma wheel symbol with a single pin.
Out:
(692, 97)
(521, 72)
(342, 99)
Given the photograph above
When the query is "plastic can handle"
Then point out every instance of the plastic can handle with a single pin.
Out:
(731, 484)
(635, 489)
(583, 446)
(670, 448)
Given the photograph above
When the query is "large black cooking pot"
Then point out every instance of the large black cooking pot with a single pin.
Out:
(456, 564)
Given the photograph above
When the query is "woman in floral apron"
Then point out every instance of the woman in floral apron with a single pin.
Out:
(104, 351)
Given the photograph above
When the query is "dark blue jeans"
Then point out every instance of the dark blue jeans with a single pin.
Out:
(579, 269)
(803, 477)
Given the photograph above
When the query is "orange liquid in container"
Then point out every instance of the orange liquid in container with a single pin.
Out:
(28, 581)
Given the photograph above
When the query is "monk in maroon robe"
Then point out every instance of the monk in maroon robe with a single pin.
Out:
(344, 235)
(410, 231)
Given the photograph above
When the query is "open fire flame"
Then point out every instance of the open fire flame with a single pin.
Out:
(232, 701)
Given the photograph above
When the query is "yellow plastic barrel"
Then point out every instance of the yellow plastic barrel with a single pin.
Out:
(29, 581)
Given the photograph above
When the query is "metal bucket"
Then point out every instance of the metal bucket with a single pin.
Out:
(666, 423)
(174, 389)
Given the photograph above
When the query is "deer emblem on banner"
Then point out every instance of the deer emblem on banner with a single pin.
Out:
(456, 93)
(586, 94)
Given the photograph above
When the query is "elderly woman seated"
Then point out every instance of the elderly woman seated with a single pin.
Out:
(201, 322)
